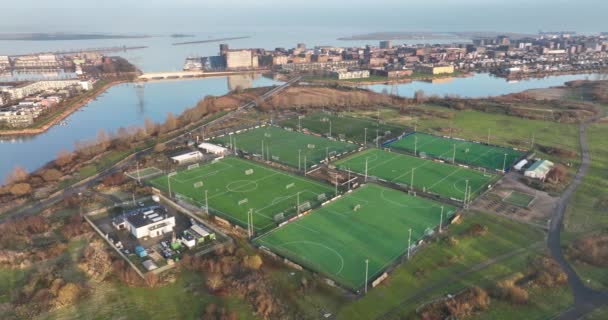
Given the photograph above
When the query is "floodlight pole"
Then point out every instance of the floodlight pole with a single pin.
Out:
(234, 144)
(532, 142)
(365, 137)
(377, 140)
(298, 204)
(366, 273)
(304, 165)
(137, 168)
(336, 183)
(348, 179)
(409, 243)
(416, 145)
(262, 149)
(412, 179)
(169, 184)
(366, 169)
(329, 128)
(299, 165)
(466, 190)
(441, 219)
(206, 202)
(489, 135)
(504, 163)
(327, 154)
(299, 123)
(454, 155)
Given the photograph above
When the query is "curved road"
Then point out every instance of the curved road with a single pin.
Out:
(585, 298)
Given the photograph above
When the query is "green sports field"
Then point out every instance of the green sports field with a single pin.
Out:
(335, 240)
(467, 152)
(267, 191)
(443, 179)
(287, 147)
(344, 127)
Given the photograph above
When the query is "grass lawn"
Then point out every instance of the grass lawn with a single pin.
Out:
(519, 199)
(586, 212)
(336, 240)
(344, 127)
(443, 179)
(231, 192)
(440, 260)
(183, 299)
(462, 151)
(287, 147)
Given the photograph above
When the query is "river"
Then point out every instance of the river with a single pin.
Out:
(121, 106)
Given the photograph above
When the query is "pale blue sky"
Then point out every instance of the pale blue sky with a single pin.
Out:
(127, 16)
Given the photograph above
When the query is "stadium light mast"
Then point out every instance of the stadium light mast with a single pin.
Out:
(206, 202)
(137, 168)
(365, 137)
(412, 179)
(504, 163)
(366, 273)
(300, 123)
(327, 154)
(415, 145)
(298, 203)
(454, 155)
(489, 135)
(366, 158)
(348, 179)
(262, 149)
(336, 183)
(171, 174)
(466, 190)
(409, 244)
(329, 120)
(377, 140)
(441, 219)
(299, 165)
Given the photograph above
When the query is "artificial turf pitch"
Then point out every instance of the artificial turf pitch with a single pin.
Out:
(287, 147)
(345, 127)
(267, 191)
(443, 179)
(467, 152)
(335, 240)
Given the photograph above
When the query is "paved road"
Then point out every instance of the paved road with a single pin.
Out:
(585, 298)
(125, 163)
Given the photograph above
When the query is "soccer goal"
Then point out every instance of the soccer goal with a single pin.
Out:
(249, 172)
(193, 166)
(198, 184)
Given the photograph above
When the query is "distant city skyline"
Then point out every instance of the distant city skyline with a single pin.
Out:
(158, 16)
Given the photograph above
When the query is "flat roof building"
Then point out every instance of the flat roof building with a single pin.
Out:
(150, 221)
(539, 169)
(213, 148)
(187, 157)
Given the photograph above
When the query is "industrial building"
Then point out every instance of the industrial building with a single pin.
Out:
(539, 169)
(151, 221)
(240, 59)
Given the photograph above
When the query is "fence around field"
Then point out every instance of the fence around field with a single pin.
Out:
(523, 154)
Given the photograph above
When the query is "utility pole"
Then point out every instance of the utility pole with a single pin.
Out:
(366, 273)
(409, 244)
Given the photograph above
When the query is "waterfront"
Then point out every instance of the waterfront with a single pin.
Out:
(479, 85)
(121, 106)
